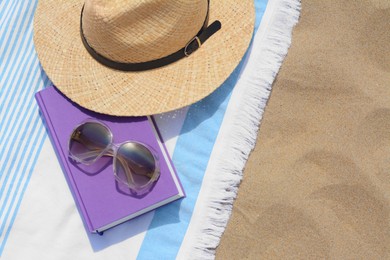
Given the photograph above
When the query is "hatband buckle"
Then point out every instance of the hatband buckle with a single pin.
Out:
(196, 38)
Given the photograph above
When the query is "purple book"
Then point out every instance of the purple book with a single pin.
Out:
(102, 202)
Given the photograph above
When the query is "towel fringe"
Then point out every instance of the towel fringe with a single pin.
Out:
(253, 88)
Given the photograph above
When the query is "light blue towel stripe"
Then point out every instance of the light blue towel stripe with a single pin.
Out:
(31, 120)
(28, 76)
(7, 19)
(21, 131)
(15, 25)
(16, 171)
(19, 54)
(16, 105)
(29, 169)
(17, 94)
(191, 156)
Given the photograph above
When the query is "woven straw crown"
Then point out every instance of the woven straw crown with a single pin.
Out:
(133, 31)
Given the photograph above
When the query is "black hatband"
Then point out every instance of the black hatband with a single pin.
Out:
(204, 33)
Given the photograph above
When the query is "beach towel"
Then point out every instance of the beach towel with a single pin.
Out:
(208, 141)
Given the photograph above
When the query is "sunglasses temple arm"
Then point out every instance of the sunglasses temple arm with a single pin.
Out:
(150, 175)
(89, 154)
(84, 156)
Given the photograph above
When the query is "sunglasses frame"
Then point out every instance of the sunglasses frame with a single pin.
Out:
(112, 150)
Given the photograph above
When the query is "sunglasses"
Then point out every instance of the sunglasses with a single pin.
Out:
(135, 164)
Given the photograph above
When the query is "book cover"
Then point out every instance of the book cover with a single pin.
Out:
(102, 202)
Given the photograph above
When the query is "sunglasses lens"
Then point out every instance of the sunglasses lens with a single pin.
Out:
(135, 165)
(88, 141)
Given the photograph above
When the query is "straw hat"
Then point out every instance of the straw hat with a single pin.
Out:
(140, 32)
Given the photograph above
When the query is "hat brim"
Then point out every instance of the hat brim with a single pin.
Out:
(101, 89)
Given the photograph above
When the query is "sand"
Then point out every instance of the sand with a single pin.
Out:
(317, 185)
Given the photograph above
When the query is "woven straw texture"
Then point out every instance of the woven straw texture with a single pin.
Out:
(101, 89)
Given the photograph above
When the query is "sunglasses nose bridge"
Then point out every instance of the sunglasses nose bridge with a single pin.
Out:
(114, 147)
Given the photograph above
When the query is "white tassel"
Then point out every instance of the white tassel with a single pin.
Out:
(242, 120)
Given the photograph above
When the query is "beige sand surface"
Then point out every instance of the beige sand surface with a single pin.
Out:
(317, 185)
